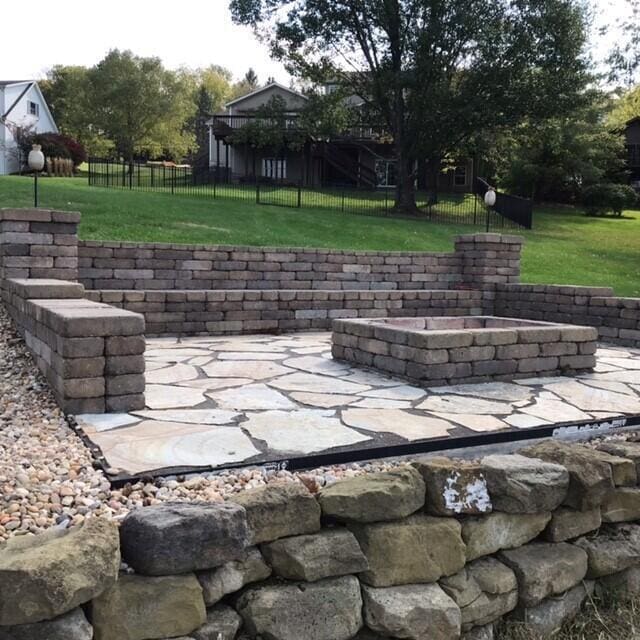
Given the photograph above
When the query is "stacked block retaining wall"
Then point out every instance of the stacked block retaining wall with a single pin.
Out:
(90, 353)
(617, 319)
(438, 549)
(247, 311)
(38, 243)
(477, 259)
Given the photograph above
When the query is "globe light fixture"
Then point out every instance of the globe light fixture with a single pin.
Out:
(36, 164)
(490, 198)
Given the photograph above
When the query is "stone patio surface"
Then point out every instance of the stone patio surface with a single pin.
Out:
(251, 399)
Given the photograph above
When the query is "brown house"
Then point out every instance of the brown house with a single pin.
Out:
(632, 135)
(360, 158)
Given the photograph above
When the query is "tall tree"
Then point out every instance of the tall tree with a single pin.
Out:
(248, 84)
(625, 108)
(140, 105)
(624, 58)
(251, 79)
(558, 158)
(67, 92)
(433, 72)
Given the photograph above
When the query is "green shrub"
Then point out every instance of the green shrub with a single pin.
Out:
(601, 199)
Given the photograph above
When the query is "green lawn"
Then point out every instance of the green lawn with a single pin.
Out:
(565, 247)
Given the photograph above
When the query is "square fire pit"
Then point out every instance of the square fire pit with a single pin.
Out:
(453, 350)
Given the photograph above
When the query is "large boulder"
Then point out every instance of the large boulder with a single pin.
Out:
(333, 552)
(484, 590)
(143, 608)
(232, 576)
(518, 484)
(374, 497)
(417, 549)
(279, 510)
(625, 583)
(545, 569)
(623, 470)
(546, 618)
(590, 478)
(415, 611)
(623, 449)
(615, 548)
(489, 534)
(44, 576)
(621, 505)
(453, 487)
(223, 623)
(566, 524)
(171, 538)
(329, 609)
(69, 626)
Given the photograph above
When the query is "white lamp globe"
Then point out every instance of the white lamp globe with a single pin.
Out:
(36, 158)
(490, 197)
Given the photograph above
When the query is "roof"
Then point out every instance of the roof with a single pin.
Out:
(30, 84)
(261, 89)
(4, 83)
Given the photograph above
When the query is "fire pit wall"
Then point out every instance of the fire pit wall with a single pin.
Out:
(441, 549)
(447, 350)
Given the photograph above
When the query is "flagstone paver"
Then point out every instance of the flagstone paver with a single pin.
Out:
(401, 423)
(247, 399)
(253, 397)
(171, 375)
(301, 432)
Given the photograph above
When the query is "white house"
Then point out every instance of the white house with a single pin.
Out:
(22, 105)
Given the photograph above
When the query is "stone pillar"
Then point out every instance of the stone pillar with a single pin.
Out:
(487, 259)
(38, 243)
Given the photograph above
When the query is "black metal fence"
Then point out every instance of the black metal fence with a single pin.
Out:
(461, 208)
(517, 210)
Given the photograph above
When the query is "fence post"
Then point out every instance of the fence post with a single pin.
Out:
(299, 194)
(475, 207)
(257, 191)
(173, 180)
(215, 181)
(386, 199)
(343, 200)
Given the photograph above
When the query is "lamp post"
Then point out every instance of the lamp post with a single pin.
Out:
(36, 164)
(490, 201)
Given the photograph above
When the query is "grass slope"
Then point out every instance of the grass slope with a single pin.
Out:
(565, 247)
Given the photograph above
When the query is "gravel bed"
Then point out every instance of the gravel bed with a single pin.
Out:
(47, 477)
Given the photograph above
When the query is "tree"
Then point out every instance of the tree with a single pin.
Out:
(248, 84)
(251, 79)
(624, 58)
(559, 158)
(626, 107)
(210, 89)
(67, 92)
(140, 105)
(433, 72)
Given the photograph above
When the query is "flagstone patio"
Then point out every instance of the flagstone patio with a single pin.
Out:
(252, 399)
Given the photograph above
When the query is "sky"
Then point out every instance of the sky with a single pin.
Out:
(194, 33)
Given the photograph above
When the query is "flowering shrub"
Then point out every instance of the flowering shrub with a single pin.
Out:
(55, 145)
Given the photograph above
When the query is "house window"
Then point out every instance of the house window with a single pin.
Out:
(386, 173)
(33, 108)
(275, 168)
(460, 176)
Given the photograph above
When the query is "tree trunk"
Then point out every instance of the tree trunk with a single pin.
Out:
(405, 187)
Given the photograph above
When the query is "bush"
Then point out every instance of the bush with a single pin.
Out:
(55, 145)
(600, 199)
